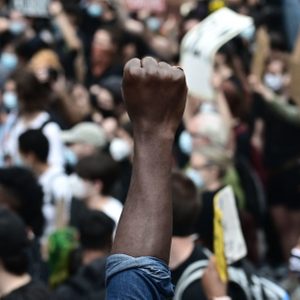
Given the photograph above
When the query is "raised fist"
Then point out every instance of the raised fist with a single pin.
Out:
(155, 96)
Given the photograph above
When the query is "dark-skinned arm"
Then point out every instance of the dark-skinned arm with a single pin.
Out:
(155, 95)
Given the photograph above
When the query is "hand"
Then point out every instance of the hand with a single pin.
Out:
(55, 8)
(211, 281)
(155, 96)
(4, 24)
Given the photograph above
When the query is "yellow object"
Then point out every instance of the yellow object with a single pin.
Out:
(219, 248)
(215, 5)
(45, 59)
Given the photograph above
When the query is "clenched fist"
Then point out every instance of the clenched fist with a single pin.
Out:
(155, 96)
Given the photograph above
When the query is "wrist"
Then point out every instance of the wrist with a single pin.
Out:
(153, 136)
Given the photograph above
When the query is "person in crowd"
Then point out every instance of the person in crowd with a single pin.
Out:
(99, 173)
(33, 103)
(189, 258)
(102, 57)
(15, 281)
(95, 232)
(279, 151)
(21, 193)
(34, 150)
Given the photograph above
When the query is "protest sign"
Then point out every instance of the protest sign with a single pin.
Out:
(31, 8)
(200, 45)
(150, 5)
(229, 243)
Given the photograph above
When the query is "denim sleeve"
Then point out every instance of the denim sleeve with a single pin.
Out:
(142, 278)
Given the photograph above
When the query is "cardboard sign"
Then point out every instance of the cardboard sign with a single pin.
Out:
(150, 5)
(200, 45)
(229, 243)
(31, 8)
(219, 247)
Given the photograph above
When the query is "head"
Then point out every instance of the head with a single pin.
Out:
(276, 76)
(21, 193)
(186, 205)
(208, 166)
(85, 139)
(13, 244)
(33, 148)
(99, 172)
(33, 96)
(104, 47)
(96, 230)
(207, 128)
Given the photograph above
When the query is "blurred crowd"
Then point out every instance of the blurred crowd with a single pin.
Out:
(66, 142)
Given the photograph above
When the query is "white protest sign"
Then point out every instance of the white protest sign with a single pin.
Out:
(31, 8)
(200, 45)
(234, 243)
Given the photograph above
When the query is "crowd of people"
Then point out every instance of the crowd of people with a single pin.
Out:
(67, 142)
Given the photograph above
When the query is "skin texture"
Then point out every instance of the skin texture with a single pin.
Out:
(155, 96)
(211, 281)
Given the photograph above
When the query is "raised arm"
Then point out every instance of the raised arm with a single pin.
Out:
(155, 95)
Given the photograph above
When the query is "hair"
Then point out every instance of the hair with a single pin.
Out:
(186, 205)
(17, 264)
(33, 95)
(96, 230)
(216, 158)
(21, 193)
(101, 167)
(34, 141)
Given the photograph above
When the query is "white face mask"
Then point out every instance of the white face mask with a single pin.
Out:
(196, 177)
(10, 100)
(78, 187)
(274, 81)
(185, 143)
(119, 149)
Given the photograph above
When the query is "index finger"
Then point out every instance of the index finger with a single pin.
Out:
(132, 68)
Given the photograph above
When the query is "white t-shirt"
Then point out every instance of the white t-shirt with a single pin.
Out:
(55, 184)
(51, 131)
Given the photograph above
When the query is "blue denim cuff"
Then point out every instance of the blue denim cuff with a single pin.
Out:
(152, 268)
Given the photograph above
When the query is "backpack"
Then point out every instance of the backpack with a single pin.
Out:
(254, 287)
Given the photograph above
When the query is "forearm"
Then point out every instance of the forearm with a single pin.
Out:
(290, 113)
(145, 227)
(68, 32)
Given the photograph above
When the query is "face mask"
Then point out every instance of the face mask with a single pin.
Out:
(186, 143)
(94, 10)
(9, 61)
(78, 187)
(274, 82)
(10, 100)
(153, 24)
(119, 149)
(196, 177)
(71, 158)
(248, 34)
(17, 27)
(294, 262)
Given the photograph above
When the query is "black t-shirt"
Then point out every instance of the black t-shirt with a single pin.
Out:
(32, 291)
